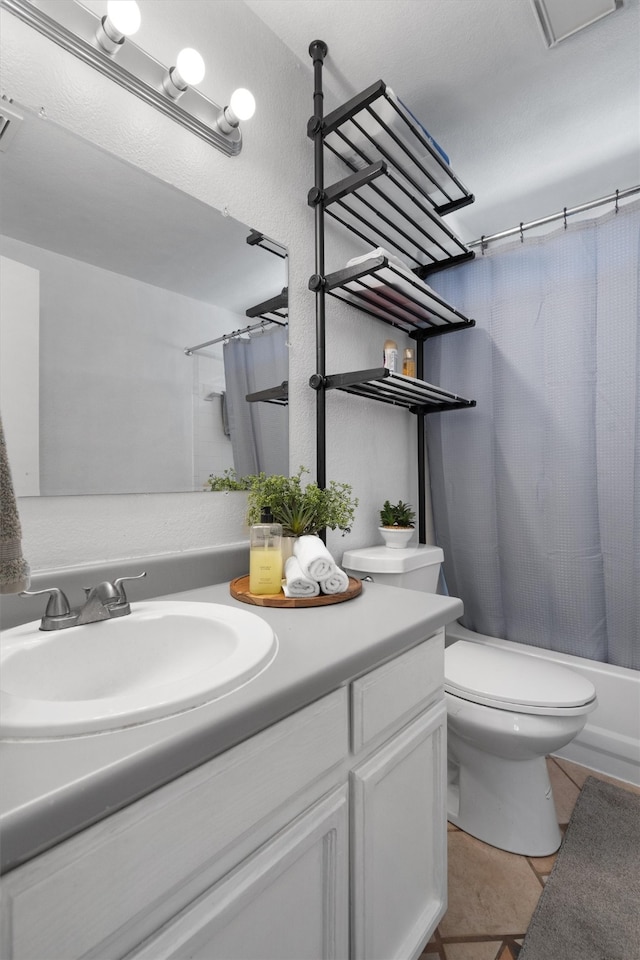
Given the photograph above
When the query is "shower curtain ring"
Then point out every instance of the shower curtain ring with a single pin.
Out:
(617, 194)
(483, 245)
(521, 233)
(564, 217)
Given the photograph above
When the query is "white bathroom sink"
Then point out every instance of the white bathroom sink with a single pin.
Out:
(163, 658)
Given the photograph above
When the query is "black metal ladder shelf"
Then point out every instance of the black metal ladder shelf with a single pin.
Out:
(381, 289)
(275, 309)
(257, 239)
(279, 395)
(387, 387)
(399, 186)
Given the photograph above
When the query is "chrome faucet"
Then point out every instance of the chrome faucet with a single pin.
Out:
(104, 602)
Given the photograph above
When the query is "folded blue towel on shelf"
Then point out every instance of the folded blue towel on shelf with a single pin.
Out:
(434, 143)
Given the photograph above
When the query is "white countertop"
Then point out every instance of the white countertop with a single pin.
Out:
(52, 789)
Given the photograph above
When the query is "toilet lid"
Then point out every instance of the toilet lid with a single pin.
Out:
(489, 675)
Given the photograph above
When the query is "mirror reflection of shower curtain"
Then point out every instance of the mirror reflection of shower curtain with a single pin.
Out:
(259, 431)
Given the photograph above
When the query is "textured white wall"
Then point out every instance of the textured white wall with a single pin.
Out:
(370, 445)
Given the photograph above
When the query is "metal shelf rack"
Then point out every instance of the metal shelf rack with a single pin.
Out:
(257, 239)
(399, 187)
(387, 387)
(276, 309)
(397, 297)
(400, 184)
(279, 395)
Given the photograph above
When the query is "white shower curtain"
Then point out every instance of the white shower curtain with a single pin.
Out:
(259, 431)
(536, 491)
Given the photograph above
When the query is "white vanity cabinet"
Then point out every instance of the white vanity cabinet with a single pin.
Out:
(287, 902)
(398, 809)
(322, 837)
(170, 856)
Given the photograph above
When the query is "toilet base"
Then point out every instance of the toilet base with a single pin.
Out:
(506, 803)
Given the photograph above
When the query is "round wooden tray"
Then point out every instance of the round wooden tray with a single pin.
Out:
(239, 588)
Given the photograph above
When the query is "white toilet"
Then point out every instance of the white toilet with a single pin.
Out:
(505, 712)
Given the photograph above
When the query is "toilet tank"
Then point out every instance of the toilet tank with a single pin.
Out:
(414, 568)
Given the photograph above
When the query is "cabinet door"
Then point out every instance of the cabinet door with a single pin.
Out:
(399, 842)
(287, 902)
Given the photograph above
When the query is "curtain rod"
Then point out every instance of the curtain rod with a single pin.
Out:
(230, 336)
(612, 198)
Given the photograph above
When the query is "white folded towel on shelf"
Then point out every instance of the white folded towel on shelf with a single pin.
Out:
(297, 585)
(386, 277)
(336, 582)
(379, 252)
(315, 560)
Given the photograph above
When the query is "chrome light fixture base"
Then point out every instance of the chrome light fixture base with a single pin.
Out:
(74, 28)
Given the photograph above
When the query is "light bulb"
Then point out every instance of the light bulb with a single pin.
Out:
(122, 19)
(242, 106)
(124, 15)
(242, 103)
(190, 66)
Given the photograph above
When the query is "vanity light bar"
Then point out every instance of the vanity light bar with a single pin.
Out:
(74, 28)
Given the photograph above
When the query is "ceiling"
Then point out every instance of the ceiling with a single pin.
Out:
(529, 129)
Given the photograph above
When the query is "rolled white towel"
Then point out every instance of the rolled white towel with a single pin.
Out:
(297, 585)
(336, 582)
(315, 560)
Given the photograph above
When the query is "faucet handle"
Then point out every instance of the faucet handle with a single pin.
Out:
(120, 580)
(110, 592)
(57, 605)
(58, 613)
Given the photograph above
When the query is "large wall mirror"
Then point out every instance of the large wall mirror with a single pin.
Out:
(109, 278)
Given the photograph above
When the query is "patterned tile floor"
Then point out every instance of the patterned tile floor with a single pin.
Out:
(492, 894)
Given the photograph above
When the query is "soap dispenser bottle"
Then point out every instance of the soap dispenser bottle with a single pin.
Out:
(265, 555)
(409, 362)
(390, 356)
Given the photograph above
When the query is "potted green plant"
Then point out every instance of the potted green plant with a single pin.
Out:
(301, 509)
(397, 523)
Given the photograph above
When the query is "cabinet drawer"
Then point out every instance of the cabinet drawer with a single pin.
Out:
(397, 691)
(102, 892)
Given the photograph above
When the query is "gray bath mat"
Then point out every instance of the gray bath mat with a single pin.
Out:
(590, 907)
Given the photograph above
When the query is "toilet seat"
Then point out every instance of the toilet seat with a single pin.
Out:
(514, 681)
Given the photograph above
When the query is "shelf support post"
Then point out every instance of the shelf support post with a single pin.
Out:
(318, 51)
(422, 464)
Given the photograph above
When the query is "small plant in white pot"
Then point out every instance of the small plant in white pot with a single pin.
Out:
(397, 523)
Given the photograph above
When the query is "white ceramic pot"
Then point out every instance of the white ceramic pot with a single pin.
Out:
(287, 548)
(396, 537)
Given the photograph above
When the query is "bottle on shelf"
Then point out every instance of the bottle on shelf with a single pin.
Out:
(390, 356)
(409, 362)
(265, 555)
